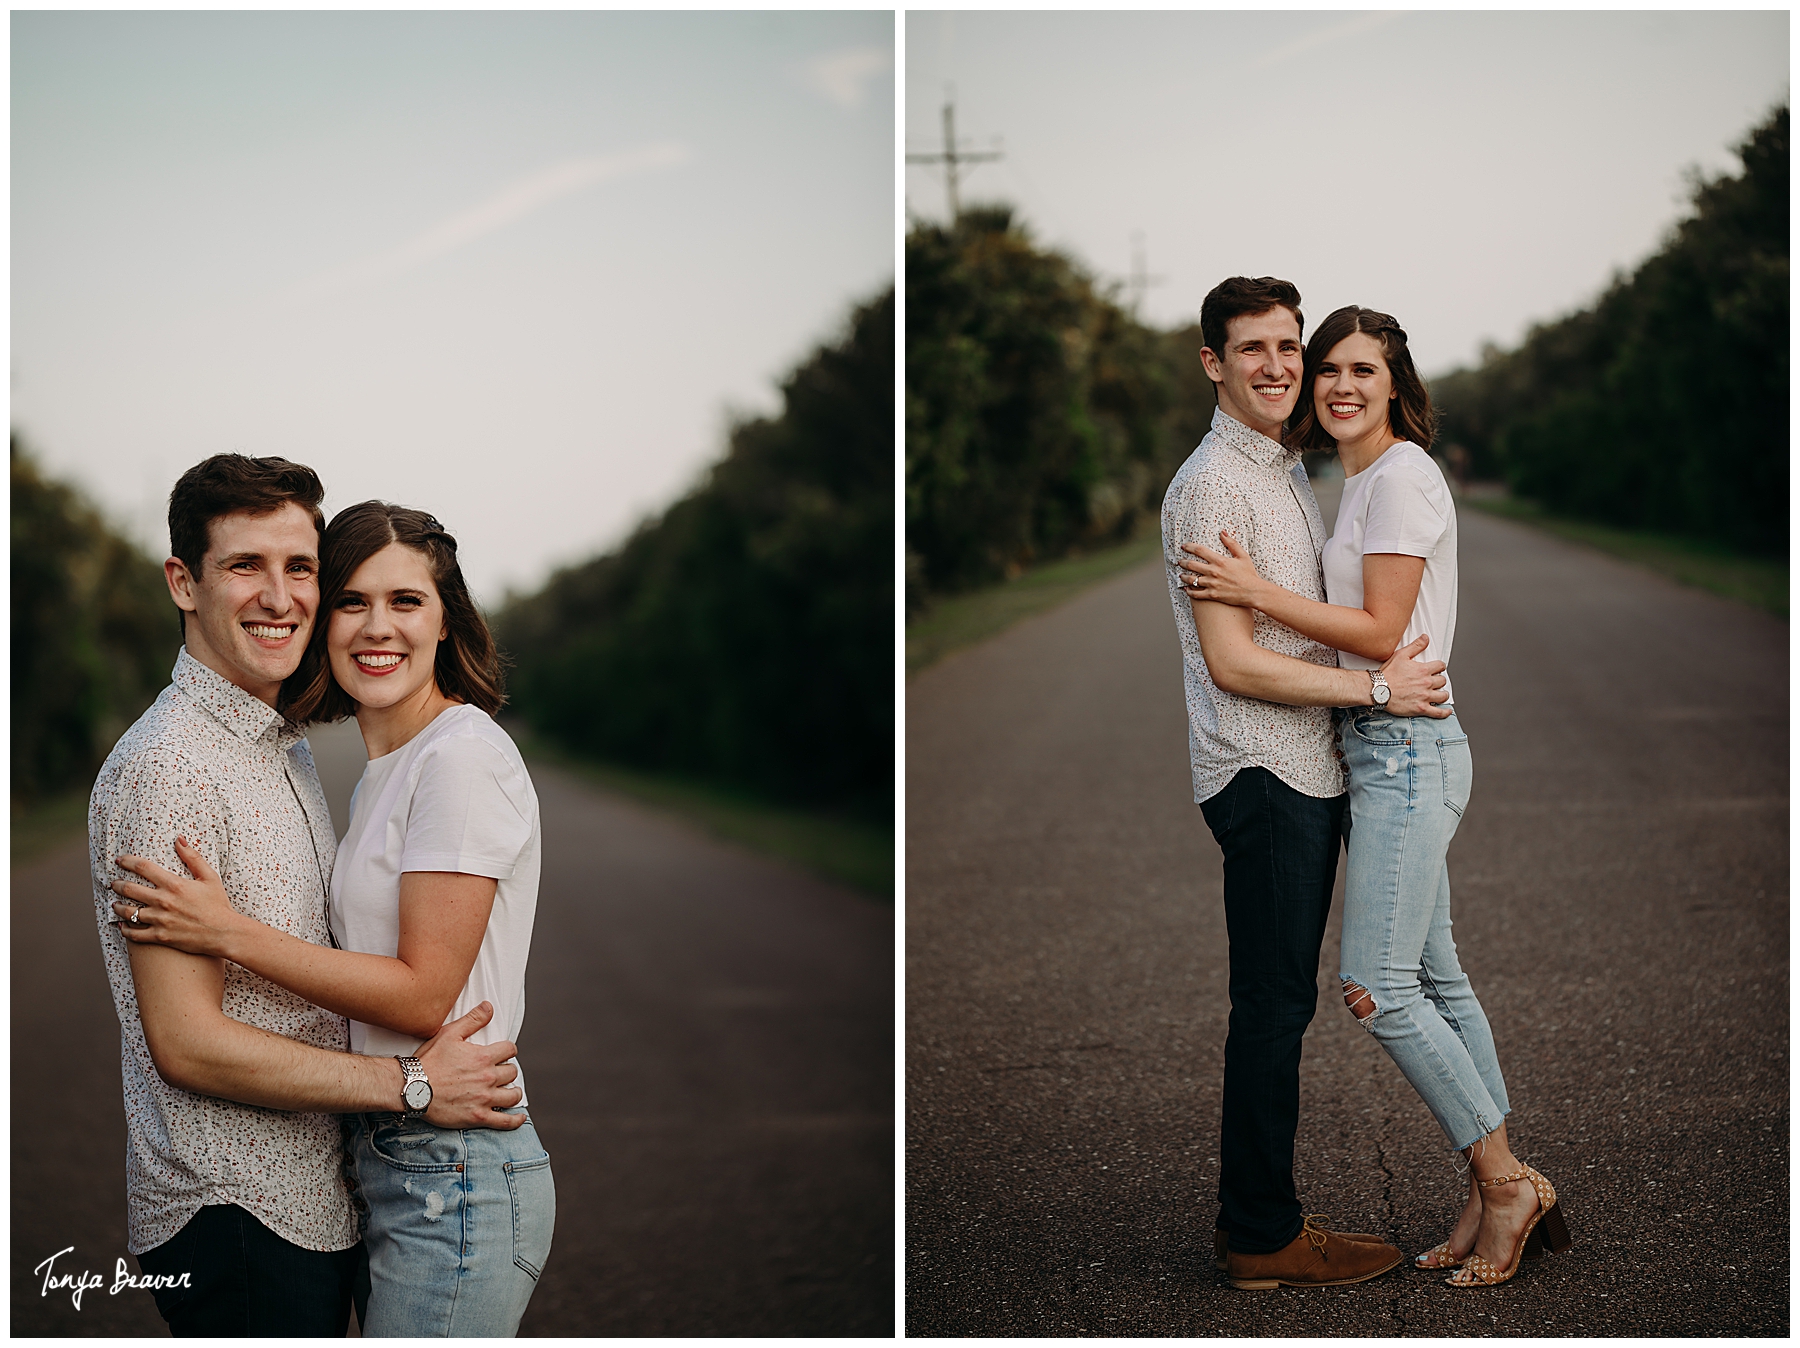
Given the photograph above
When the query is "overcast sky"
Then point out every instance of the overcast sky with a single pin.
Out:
(511, 268)
(1468, 172)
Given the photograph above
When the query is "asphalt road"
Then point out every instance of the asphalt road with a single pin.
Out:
(1620, 892)
(710, 1045)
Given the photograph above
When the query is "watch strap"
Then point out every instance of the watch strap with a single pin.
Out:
(413, 1070)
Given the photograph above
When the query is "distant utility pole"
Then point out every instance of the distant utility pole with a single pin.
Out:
(952, 158)
(1141, 280)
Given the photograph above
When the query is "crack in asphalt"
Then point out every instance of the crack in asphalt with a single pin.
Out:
(1387, 1203)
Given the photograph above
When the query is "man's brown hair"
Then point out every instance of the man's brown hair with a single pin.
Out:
(1236, 296)
(1410, 414)
(226, 484)
(468, 664)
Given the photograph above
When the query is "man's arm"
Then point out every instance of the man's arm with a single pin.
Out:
(197, 1047)
(1238, 665)
(443, 918)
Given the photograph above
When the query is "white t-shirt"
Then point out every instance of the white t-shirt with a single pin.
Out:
(455, 797)
(1400, 503)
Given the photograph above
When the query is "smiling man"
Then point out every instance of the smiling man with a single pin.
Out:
(1266, 773)
(234, 1161)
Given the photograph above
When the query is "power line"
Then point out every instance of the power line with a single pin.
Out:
(1140, 280)
(952, 158)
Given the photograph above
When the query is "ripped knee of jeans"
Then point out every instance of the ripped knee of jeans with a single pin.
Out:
(1361, 1003)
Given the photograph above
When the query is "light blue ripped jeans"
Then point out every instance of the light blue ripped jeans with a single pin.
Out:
(1409, 784)
(458, 1224)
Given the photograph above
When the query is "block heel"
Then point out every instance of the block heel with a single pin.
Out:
(1555, 1231)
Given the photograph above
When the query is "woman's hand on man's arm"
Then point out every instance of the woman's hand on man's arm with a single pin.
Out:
(443, 917)
(1390, 590)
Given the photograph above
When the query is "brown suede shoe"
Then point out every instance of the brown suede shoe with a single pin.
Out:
(1220, 1249)
(1314, 1258)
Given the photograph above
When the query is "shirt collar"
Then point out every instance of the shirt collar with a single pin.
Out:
(248, 717)
(1253, 445)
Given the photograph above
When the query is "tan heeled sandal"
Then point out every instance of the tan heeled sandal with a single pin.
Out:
(1440, 1256)
(1443, 1257)
(1479, 1272)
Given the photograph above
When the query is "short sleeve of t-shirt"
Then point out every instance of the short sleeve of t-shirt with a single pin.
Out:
(156, 798)
(468, 811)
(1404, 515)
(1209, 504)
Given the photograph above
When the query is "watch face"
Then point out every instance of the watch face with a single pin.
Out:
(417, 1094)
(1381, 693)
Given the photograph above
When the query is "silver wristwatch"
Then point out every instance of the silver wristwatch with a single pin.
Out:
(416, 1093)
(1379, 689)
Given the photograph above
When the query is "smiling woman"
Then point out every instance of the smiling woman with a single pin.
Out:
(403, 629)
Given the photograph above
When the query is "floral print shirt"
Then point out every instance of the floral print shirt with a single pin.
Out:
(223, 769)
(1239, 479)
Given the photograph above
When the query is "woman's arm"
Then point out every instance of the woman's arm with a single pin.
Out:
(443, 916)
(1390, 590)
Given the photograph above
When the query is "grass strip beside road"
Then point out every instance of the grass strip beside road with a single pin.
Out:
(962, 620)
(850, 851)
(1761, 584)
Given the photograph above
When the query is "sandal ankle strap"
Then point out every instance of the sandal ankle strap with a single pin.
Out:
(1522, 1173)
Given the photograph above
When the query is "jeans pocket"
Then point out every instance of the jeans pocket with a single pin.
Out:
(413, 1145)
(533, 1194)
(1375, 728)
(1459, 773)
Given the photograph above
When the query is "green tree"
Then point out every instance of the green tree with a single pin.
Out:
(747, 636)
(1040, 416)
(1664, 405)
(94, 634)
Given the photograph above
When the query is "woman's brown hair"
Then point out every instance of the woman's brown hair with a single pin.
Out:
(468, 663)
(1410, 414)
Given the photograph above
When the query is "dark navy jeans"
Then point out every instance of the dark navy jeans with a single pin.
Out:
(246, 1282)
(1281, 852)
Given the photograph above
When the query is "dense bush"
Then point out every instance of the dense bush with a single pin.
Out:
(747, 636)
(1040, 416)
(1665, 404)
(94, 634)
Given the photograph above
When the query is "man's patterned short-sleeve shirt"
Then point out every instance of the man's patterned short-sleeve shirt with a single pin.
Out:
(1239, 479)
(223, 769)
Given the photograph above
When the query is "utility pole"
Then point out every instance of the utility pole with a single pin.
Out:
(1141, 280)
(952, 158)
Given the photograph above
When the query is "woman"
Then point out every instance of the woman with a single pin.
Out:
(1390, 575)
(432, 901)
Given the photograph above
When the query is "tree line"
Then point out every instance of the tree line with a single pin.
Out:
(1041, 416)
(1664, 404)
(747, 635)
(94, 634)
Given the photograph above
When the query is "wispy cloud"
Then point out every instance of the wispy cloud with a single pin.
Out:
(508, 206)
(843, 76)
(1318, 37)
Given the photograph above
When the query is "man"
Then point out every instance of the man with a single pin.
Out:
(1266, 773)
(234, 1164)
